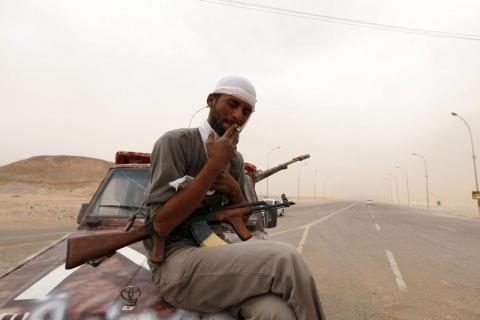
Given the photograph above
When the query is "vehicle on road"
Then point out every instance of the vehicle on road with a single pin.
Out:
(369, 202)
(279, 211)
(120, 284)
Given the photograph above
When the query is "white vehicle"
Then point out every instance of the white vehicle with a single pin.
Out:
(280, 211)
(369, 202)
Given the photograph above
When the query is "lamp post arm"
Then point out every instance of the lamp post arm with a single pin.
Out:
(425, 163)
(473, 150)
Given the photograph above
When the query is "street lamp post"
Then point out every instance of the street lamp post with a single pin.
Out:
(398, 192)
(473, 154)
(391, 189)
(408, 189)
(385, 194)
(298, 180)
(426, 174)
(325, 187)
(268, 158)
(328, 178)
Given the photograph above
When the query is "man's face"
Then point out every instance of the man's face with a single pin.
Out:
(226, 110)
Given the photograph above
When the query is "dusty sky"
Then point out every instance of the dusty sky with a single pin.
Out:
(93, 77)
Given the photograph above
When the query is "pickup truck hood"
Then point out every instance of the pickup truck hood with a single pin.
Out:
(85, 290)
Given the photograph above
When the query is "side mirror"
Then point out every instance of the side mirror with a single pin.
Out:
(269, 218)
(81, 213)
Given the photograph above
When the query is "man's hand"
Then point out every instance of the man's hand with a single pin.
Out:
(237, 218)
(184, 202)
(227, 184)
(222, 150)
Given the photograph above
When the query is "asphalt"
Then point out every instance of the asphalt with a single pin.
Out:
(369, 262)
(19, 241)
(387, 262)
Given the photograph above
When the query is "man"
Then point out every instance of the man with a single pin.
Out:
(195, 168)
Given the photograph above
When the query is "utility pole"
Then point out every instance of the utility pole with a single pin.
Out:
(426, 174)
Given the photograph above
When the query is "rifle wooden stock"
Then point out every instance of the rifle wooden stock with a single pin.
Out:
(158, 248)
(235, 217)
(235, 214)
(85, 248)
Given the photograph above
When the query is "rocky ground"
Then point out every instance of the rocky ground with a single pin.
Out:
(40, 199)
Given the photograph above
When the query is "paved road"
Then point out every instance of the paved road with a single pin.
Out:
(19, 240)
(388, 262)
(369, 262)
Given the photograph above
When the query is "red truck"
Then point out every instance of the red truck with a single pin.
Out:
(118, 286)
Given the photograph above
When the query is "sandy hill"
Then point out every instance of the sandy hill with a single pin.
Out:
(53, 172)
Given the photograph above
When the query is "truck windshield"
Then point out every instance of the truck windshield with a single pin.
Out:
(249, 189)
(123, 192)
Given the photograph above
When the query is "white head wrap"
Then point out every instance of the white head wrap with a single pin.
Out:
(238, 87)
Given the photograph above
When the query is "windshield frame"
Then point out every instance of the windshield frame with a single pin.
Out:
(101, 189)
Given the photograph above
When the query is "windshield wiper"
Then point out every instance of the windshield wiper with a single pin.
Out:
(133, 216)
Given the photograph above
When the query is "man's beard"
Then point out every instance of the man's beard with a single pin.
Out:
(217, 125)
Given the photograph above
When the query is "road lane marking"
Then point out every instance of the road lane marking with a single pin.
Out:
(447, 228)
(377, 226)
(304, 239)
(314, 222)
(396, 271)
(33, 236)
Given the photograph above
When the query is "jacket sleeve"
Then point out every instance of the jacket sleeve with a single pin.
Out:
(168, 163)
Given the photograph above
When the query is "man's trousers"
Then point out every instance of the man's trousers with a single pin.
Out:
(245, 278)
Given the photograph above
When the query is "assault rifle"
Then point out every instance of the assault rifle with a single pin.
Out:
(94, 248)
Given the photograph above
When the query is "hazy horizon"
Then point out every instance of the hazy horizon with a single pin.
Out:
(91, 78)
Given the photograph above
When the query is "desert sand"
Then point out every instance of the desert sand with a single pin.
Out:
(40, 198)
(48, 187)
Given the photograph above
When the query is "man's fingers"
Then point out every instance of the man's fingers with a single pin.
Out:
(236, 137)
(211, 137)
(230, 131)
(220, 177)
(232, 134)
